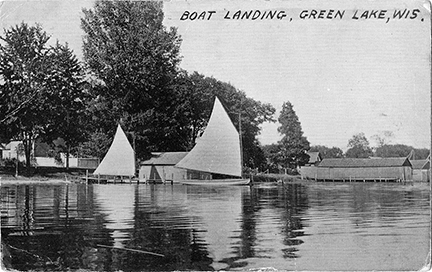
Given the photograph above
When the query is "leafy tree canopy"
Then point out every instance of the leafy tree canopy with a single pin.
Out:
(358, 147)
(421, 153)
(23, 68)
(383, 138)
(400, 150)
(272, 154)
(97, 146)
(327, 152)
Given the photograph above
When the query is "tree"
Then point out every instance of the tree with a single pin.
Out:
(396, 150)
(67, 93)
(197, 94)
(24, 65)
(421, 153)
(326, 152)
(293, 145)
(253, 114)
(96, 146)
(383, 138)
(136, 60)
(272, 152)
(400, 150)
(358, 147)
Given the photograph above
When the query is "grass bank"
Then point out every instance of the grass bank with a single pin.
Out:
(275, 178)
(40, 175)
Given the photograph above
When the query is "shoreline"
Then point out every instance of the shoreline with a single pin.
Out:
(40, 175)
(32, 181)
(8, 179)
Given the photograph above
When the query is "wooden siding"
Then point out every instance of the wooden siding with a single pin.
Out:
(356, 174)
(421, 174)
(161, 173)
(364, 163)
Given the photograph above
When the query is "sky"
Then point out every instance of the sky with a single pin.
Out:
(350, 70)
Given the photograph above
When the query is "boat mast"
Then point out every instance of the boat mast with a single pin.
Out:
(133, 143)
(241, 145)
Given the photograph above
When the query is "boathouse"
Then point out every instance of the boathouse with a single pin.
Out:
(160, 167)
(421, 170)
(314, 158)
(355, 169)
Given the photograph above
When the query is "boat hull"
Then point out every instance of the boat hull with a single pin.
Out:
(216, 182)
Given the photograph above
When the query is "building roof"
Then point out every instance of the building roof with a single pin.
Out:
(165, 158)
(420, 164)
(314, 156)
(362, 163)
(11, 145)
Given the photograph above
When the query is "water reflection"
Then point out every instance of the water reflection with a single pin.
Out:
(117, 204)
(272, 225)
(302, 226)
(217, 217)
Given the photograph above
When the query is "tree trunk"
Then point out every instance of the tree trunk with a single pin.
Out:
(27, 142)
(67, 156)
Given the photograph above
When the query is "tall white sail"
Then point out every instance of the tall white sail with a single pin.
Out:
(218, 150)
(120, 158)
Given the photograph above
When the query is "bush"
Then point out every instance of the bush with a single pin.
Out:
(11, 163)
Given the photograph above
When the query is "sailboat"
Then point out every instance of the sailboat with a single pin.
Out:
(217, 153)
(120, 158)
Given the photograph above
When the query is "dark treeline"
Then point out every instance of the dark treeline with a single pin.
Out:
(385, 151)
(359, 147)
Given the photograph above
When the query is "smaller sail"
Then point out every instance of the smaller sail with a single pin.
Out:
(120, 158)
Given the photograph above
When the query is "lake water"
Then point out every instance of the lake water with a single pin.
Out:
(291, 226)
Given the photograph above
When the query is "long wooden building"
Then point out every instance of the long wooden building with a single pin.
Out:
(353, 169)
